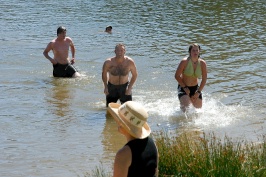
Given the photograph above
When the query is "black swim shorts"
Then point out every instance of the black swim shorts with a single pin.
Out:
(192, 89)
(66, 70)
(117, 92)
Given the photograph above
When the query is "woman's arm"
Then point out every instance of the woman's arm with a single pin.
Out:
(204, 75)
(179, 72)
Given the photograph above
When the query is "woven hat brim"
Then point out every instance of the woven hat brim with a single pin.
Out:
(131, 129)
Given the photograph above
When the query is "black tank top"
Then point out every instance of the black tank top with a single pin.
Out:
(144, 158)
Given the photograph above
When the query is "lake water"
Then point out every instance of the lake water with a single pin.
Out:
(58, 127)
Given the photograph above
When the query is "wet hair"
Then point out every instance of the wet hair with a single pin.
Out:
(120, 44)
(61, 29)
(108, 27)
(193, 45)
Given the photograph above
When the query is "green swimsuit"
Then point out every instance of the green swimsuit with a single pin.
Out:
(189, 70)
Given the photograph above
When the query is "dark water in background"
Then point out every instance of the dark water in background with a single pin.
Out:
(58, 127)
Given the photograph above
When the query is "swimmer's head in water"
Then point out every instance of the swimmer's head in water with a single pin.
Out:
(108, 28)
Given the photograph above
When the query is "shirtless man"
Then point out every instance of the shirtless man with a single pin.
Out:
(115, 76)
(60, 47)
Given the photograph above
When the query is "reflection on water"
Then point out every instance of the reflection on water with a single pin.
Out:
(60, 97)
(112, 140)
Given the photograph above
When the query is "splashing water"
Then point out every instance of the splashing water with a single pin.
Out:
(214, 116)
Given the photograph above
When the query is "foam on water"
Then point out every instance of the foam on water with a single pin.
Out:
(215, 116)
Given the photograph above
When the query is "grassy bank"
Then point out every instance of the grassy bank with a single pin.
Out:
(193, 155)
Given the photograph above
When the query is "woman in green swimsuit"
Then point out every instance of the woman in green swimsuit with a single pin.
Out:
(189, 70)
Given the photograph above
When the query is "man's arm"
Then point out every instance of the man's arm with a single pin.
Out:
(104, 76)
(46, 51)
(134, 75)
(73, 51)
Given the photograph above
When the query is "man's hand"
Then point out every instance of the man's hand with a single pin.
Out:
(106, 91)
(72, 61)
(53, 61)
(128, 91)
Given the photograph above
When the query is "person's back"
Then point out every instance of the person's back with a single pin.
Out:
(139, 157)
(144, 158)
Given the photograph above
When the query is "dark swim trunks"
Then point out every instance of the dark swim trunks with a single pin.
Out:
(66, 70)
(117, 92)
(192, 89)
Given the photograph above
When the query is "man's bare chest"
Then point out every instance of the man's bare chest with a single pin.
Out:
(61, 46)
(119, 70)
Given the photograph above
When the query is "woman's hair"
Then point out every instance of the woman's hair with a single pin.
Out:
(61, 29)
(193, 45)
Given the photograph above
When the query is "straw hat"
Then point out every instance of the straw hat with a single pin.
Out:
(132, 116)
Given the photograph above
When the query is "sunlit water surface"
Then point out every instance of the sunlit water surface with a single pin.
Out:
(59, 127)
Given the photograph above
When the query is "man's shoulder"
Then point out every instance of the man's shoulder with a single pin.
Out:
(53, 40)
(108, 61)
(68, 38)
(129, 59)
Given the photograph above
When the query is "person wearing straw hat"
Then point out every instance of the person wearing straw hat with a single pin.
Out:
(139, 156)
